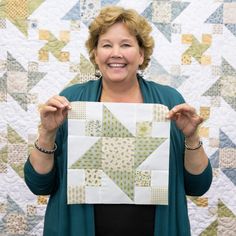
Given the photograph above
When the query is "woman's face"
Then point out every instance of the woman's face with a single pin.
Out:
(118, 54)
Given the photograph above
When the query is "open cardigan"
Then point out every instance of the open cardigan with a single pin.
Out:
(78, 219)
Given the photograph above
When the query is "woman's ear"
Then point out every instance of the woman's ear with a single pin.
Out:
(141, 51)
(95, 54)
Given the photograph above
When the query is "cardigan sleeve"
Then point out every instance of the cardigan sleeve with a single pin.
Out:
(197, 185)
(43, 184)
(39, 184)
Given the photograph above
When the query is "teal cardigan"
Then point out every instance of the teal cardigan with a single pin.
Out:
(78, 220)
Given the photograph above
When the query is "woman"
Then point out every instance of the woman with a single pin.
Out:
(119, 45)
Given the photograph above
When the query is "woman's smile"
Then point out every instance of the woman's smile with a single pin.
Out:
(117, 65)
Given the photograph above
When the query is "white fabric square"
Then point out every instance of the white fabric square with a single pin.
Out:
(159, 178)
(76, 177)
(76, 127)
(160, 129)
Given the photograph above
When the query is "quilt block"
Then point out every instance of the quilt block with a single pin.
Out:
(118, 153)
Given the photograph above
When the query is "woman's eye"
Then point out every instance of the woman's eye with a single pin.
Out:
(106, 45)
(126, 45)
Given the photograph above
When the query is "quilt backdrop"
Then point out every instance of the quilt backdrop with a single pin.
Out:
(42, 51)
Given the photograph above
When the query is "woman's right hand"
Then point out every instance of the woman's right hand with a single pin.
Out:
(53, 113)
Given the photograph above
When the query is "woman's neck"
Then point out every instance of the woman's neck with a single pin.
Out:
(121, 92)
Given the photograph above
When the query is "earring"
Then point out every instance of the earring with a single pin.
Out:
(140, 73)
(98, 74)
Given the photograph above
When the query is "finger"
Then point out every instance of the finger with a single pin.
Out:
(174, 116)
(63, 100)
(200, 120)
(65, 112)
(59, 101)
(181, 108)
(194, 117)
(184, 108)
(45, 108)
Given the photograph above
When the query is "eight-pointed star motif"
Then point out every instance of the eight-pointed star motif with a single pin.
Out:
(118, 152)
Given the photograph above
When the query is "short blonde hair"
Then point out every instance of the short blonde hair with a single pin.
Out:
(137, 25)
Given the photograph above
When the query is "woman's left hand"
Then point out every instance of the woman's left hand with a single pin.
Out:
(186, 118)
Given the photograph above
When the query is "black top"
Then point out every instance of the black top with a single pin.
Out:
(124, 220)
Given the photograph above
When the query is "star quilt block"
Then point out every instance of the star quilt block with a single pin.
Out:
(118, 153)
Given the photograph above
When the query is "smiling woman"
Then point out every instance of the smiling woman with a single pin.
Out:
(119, 45)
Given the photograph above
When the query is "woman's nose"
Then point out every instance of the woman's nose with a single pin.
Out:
(116, 52)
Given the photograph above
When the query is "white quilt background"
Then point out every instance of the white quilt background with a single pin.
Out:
(42, 51)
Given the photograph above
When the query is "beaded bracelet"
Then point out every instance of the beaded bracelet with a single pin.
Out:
(193, 148)
(45, 150)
